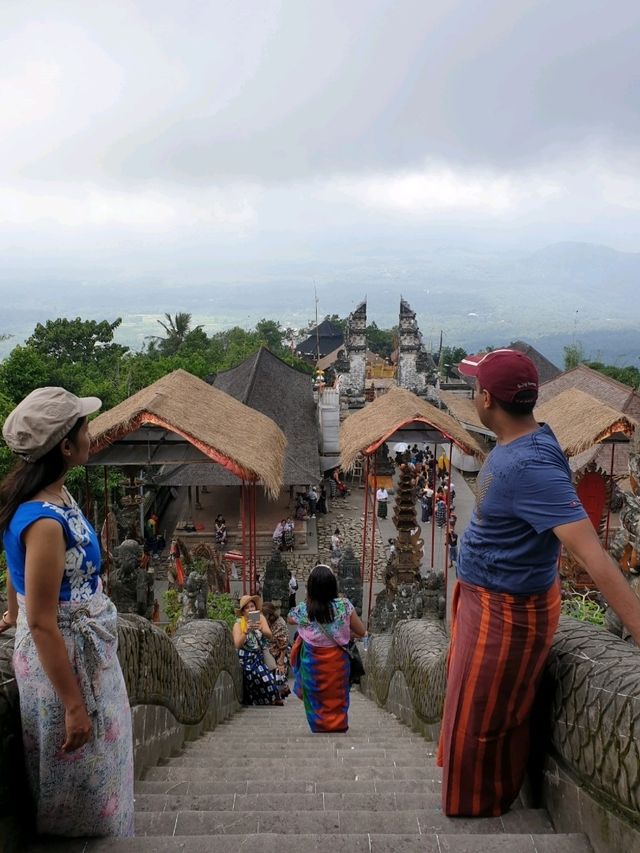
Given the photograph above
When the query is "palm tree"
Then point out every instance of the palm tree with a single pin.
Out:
(177, 329)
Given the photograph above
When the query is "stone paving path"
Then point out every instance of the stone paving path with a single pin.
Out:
(262, 783)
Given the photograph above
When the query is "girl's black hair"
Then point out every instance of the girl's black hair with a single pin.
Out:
(270, 612)
(26, 479)
(322, 589)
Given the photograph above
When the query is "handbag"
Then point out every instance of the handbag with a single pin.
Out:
(269, 660)
(356, 668)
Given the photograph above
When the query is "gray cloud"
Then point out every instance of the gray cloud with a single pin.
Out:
(278, 91)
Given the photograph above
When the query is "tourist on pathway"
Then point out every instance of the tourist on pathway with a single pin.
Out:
(312, 500)
(250, 639)
(506, 602)
(321, 665)
(426, 505)
(340, 486)
(382, 497)
(220, 532)
(452, 541)
(288, 534)
(74, 708)
(293, 590)
(441, 510)
(322, 500)
(278, 647)
(336, 548)
(278, 535)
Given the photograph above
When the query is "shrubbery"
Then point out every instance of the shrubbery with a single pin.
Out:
(582, 606)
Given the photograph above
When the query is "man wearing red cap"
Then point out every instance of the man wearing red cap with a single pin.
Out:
(506, 602)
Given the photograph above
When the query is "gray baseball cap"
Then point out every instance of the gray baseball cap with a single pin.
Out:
(43, 419)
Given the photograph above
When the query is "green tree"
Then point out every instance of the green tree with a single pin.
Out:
(177, 328)
(271, 334)
(450, 357)
(628, 375)
(23, 370)
(381, 341)
(7, 459)
(77, 341)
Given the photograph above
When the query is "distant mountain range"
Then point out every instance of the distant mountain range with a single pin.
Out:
(552, 297)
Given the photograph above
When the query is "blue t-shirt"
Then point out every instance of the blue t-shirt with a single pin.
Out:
(524, 490)
(82, 559)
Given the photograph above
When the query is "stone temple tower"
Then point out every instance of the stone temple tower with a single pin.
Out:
(416, 368)
(351, 363)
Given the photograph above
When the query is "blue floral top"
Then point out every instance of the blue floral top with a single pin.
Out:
(82, 560)
(339, 629)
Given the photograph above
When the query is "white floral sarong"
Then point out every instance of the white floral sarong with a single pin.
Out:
(88, 791)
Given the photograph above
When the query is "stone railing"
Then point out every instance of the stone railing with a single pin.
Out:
(177, 688)
(591, 771)
(406, 673)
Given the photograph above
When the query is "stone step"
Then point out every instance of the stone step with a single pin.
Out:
(441, 842)
(174, 802)
(384, 740)
(335, 822)
(289, 786)
(295, 752)
(257, 764)
(309, 774)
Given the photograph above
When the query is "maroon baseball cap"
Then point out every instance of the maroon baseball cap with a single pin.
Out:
(508, 374)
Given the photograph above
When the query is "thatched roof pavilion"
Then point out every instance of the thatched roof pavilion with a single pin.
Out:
(463, 409)
(181, 419)
(265, 384)
(366, 430)
(608, 391)
(579, 421)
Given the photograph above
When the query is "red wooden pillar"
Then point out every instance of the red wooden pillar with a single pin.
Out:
(606, 530)
(366, 517)
(243, 522)
(373, 534)
(254, 541)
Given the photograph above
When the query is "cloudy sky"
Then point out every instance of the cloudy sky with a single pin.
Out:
(153, 135)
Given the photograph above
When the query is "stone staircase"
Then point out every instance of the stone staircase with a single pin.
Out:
(262, 783)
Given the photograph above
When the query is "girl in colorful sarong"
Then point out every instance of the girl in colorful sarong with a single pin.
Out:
(318, 657)
(250, 639)
(74, 709)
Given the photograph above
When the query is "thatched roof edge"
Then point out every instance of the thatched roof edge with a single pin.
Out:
(244, 441)
(379, 420)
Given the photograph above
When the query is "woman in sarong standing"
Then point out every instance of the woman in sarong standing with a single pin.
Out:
(320, 663)
(74, 708)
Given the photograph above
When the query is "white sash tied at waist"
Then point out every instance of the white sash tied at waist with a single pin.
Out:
(91, 626)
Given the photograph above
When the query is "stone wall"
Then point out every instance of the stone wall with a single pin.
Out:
(589, 727)
(177, 688)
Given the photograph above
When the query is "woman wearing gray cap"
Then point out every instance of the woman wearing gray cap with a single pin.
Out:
(74, 709)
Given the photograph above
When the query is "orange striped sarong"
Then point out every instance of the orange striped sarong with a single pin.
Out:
(499, 647)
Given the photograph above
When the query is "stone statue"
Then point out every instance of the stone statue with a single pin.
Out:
(407, 595)
(194, 597)
(214, 560)
(275, 587)
(626, 543)
(349, 578)
(131, 583)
